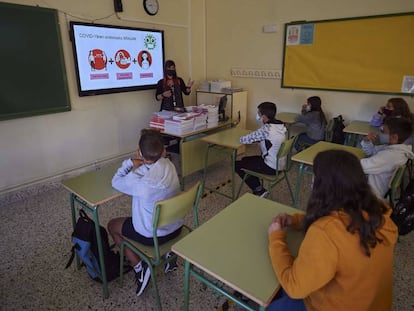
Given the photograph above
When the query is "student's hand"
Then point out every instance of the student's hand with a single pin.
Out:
(137, 162)
(284, 219)
(371, 137)
(274, 226)
(279, 222)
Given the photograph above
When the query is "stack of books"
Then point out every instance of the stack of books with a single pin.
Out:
(212, 114)
(179, 124)
(157, 120)
(200, 121)
(157, 123)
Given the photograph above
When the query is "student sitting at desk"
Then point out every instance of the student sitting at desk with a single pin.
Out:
(345, 261)
(271, 135)
(313, 118)
(384, 159)
(395, 107)
(148, 179)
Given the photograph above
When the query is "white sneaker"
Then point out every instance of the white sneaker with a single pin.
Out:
(142, 278)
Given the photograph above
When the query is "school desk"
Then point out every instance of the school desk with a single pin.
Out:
(305, 159)
(288, 118)
(356, 129)
(90, 190)
(231, 249)
(192, 149)
(226, 141)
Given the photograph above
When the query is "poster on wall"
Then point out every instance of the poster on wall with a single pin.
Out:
(112, 59)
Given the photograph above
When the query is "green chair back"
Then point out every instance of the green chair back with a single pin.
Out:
(269, 181)
(329, 130)
(165, 212)
(394, 185)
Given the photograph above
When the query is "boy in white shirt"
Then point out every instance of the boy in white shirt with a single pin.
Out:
(148, 179)
(382, 160)
(270, 135)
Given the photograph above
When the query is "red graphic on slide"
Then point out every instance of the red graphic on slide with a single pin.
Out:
(122, 59)
(144, 59)
(97, 59)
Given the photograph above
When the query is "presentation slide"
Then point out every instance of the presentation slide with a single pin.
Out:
(111, 58)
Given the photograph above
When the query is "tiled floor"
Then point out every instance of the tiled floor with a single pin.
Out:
(35, 247)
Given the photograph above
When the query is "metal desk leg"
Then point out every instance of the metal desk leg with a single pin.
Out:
(186, 284)
(233, 172)
(100, 251)
(181, 177)
(73, 212)
(205, 168)
(298, 181)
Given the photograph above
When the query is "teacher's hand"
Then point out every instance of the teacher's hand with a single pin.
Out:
(167, 93)
(190, 83)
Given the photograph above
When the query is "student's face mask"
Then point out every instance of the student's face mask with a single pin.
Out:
(308, 108)
(384, 138)
(258, 118)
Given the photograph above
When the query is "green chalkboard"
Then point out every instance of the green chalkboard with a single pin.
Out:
(33, 77)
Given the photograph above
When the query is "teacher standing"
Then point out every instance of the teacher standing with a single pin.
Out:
(171, 88)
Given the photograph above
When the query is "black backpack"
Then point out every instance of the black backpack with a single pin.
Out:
(338, 135)
(86, 246)
(403, 211)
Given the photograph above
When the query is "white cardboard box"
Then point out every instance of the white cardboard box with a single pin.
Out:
(218, 85)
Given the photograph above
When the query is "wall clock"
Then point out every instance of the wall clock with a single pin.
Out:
(151, 6)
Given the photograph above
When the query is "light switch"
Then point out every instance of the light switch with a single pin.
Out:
(270, 28)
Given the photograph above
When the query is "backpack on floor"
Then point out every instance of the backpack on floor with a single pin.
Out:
(403, 211)
(338, 135)
(85, 244)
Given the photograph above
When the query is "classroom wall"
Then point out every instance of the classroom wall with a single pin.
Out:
(104, 127)
(236, 40)
(206, 38)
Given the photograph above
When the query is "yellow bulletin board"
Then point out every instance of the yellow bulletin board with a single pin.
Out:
(363, 54)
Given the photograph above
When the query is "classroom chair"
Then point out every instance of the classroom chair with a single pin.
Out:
(165, 212)
(395, 184)
(329, 130)
(285, 150)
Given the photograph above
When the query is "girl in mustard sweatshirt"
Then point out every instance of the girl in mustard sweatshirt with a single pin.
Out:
(345, 261)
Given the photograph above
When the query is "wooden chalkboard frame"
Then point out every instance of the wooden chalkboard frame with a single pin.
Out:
(369, 54)
(34, 78)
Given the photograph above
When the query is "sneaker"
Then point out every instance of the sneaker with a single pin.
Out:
(171, 265)
(142, 278)
(263, 193)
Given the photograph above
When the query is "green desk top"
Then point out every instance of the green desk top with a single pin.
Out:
(287, 117)
(360, 128)
(228, 138)
(306, 156)
(233, 246)
(94, 187)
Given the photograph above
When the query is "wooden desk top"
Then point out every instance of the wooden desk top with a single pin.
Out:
(227, 138)
(360, 128)
(94, 187)
(233, 246)
(308, 155)
(287, 117)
